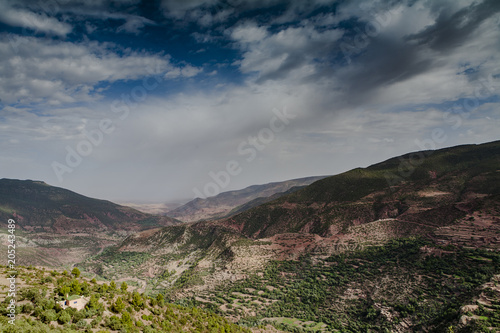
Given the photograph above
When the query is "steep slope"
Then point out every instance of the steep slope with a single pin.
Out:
(406, 245)
(261, 200)
(57, 227)
(167, 258)
(222, 204)
(40, 292)
(432, 188)
(37, 206)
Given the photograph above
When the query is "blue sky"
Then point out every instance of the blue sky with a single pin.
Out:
(159, 100)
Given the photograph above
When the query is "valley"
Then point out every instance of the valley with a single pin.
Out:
(233, 202)
(365, 250)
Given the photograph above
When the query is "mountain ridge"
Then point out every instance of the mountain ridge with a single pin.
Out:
(224, 203)
(403, 245)
(317, 206)
(454, 202)
(57, 227)
(54, 208)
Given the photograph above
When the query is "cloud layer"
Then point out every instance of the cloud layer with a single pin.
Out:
(185, 87)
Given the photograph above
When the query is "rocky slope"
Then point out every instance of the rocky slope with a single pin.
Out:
(228, 203)
(451, 196)
(37, 206)
(57, 227)
(431, 189)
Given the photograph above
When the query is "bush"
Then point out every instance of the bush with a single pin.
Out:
(28, 308)
(118, 306)
(48, 316)
(114, 323)
(78, 315)
(81, 324)
(64, 317)
(76, 272)
(126, 319)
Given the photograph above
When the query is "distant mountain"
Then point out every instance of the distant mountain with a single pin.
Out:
(56, 227)
(230, 202)
(410, 244)
(154, 208)
(37, 206)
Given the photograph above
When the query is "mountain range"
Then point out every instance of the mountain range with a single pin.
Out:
(232, 202)
(407, 244)
(38, 206)
(55, 226)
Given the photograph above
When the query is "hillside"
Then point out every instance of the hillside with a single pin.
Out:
(108, 306)
(404, 245)
(439, 189)
(228, 202)
(374, 248)
(55, 226)
(37, 206)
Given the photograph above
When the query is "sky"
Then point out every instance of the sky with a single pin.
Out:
(153, 101)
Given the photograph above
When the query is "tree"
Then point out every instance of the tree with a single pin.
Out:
(114, 323)
(112, 285)
(28, 308)
(64, 317)
(118, 306)
(124, 286)
(104, 287)
(160, 299)
(76, 272)
(85, 288)
(48, 316)
(93, 306)
(76, 287)
(126, 319)
(64, 290)
(137, 301)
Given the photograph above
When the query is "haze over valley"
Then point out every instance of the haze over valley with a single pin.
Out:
(249, 166)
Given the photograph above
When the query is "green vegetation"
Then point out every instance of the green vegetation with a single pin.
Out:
(192, 244)
(41, 205)
(384, 190)
(375, 289)
(394, 274)
(76, 272)
(38, 309)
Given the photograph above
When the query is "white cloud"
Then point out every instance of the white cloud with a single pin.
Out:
(63, 72)
(90, 28)
(39, 22)
(208, 19)
(134, 24)
(276, 56)
(346, 116)
(187, 71)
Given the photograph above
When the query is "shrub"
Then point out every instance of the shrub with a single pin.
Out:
(114, 323)
(48, 316)
(76, 272)
(28, 308)
(64, 317)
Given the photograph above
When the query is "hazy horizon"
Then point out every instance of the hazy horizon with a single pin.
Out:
(140, 101)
